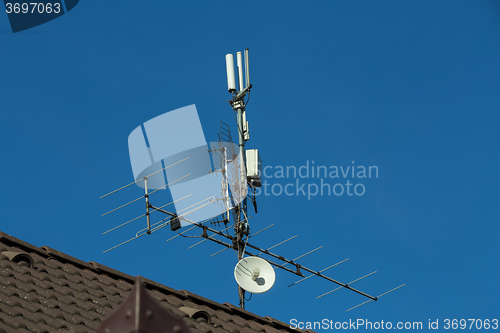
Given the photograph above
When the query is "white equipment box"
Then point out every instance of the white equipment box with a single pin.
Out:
(254, 167)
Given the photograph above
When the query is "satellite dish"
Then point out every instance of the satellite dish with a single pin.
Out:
(254, 274)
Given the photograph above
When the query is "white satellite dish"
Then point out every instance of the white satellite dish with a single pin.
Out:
(254, 274)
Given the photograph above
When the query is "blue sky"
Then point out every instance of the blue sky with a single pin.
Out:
(409, 87)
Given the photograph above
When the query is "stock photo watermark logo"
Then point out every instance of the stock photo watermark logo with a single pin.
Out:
(311, 180)
(171, 151)
(26, 15)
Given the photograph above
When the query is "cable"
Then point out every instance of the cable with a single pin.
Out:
(246, 219)
(188, 236)
(248, 98)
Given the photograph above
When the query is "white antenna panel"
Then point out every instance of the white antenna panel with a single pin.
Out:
(254, 274)
(247, 69)
(239, 65)
(231, 82)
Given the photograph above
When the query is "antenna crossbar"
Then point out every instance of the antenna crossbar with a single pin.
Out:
(194, 226)
(209, 237)
(298, 266)
(230, 246)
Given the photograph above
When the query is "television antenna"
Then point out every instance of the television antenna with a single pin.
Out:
(239, 171)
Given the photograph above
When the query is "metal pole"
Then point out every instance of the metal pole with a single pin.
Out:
(241, 226)
(238, 103)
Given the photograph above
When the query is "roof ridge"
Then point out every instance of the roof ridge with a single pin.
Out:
(66, 258)
(21, 244)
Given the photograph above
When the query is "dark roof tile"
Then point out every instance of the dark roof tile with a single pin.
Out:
(8, 281)
(204, 327)
(255, 326)
(41, 327)
(52, 313)
(64, 258)
(190, 304)
(194, 330)
(111, 272)
(158, 286)
(9, 308)
(64, 293)
(11, 291)
(65, 290)
(220, 330)
(240, 321)
(9, 322)
(202, 300)
(24, 304)
(20, 269)
(27, 288)
(207, 308)
(6, 266)
(223, 315)
(40, 274)
(94, 285)
(45, 284)
(270, 329)
(231, 327)
(246, 330)
(179, 312)
(171, 299)
(33, 298)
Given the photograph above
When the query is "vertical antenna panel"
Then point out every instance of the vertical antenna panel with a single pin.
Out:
(239, 65)
(231, 82)
(247, 69)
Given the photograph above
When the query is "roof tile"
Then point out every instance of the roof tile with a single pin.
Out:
(222, 315)
(220, 330)
(255, 326)
(231, 327)
(65, 293)
(240, 321)
(204, 327)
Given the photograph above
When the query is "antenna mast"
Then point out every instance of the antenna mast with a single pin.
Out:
(239, 172)
(238, 104)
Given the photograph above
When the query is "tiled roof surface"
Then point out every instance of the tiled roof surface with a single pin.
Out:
(60, 292)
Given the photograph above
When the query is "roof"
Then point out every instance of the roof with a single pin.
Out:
(43, 290)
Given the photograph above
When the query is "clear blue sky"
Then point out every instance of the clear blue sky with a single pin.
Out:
(411, 87)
